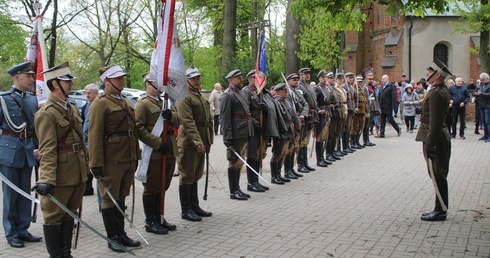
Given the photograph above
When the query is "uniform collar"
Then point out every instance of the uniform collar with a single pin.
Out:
(60, 102)
(22, 94)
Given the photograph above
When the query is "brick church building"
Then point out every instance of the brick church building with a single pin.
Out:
(406, 45)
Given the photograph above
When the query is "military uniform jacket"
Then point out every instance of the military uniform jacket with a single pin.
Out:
(341, 111)
(147, 112)
(435, 108)
(14, 151)
(361, 100)
(273, 123)
(325, 98)
(196, 122)
(250, 92)
(63, 154)
(235, 119)
(301, 106)
(309, 95)
(288, 115)
(112, 131)
(351, 104)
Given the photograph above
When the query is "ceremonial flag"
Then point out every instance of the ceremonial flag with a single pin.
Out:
(261, 64)
(36, 54)
(167, 65)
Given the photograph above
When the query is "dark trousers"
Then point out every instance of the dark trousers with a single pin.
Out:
(216, 123)
(410, 122)
(461, 113)
(440, 166)
(391, 120)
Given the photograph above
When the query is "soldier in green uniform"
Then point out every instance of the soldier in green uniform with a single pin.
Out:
(349, 87)
(236, 126)
(324, 99)
(114, 151)
(63, 160)
(336, 120)
(309, 95)
(360, 112)
(194, 142)
(148, 111)
(435, 137)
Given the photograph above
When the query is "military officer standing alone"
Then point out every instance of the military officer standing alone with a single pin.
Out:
(16, 161)
(113, 151)
(194, 142)
(147, 112)
(63, 160)
(435, 137)
(236, 127)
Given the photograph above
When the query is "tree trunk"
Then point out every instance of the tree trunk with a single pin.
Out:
(292, 44)
(54, 34)
(484, 44)
(229, 36)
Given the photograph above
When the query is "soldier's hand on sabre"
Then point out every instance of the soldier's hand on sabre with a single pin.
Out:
(431, 153)
(163, 147)
(201, 148)
(167, 114)
(43, 189)
(97, 172)
(227, 143)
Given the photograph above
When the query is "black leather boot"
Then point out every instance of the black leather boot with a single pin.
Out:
(319, 155)
(345, 143)
(195, 203)
(291, 162)
(338, 152)
(257, 165)
(334, 145)
(110, 224)
(353, 142)
(233, 184)
(238, 186)
(305, 159)
(288, 167)
(185, 204)
(252, 178)
(299, 161)
(279, 168)
(166, 225)
(66, 237)
(274, 171)
(123, 236)
(330, 157)
(365, 137)
(52, 238)
(151, 221)
(358, 137)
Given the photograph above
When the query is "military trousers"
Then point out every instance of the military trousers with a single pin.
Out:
(16, 208)
(440, 166)
(191, 165)
(71, 196)
(118, 178)
(358, 123)
(153, 183)
(239, 146)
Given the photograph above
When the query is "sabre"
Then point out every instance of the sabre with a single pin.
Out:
(18, 190)
(77, 231)
(78, 219)
(205, 197)
(121, 210)
(34, 210)
(438, 194)
(132, 206)
(215, 174)
(251, 168)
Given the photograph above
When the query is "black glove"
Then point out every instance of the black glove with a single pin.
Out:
(431, 153)
(337, 105)
(259, 129)
(98, 172)
(167, 114)
(263, 106)
(227, 143)
(43, 189)
(163, 147)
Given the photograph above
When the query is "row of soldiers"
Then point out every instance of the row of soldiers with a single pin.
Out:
(335, 113)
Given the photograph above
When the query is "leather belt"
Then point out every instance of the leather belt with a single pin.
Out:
(205, 124)
(76, 147)
(240, 116)
(344, 102)
(21, 135)
(128, 133)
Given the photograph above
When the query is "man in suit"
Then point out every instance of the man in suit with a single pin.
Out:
(63, 160)
(435, 137)
(387, 102)
(91, 92)
(18, 153)
(484, 102)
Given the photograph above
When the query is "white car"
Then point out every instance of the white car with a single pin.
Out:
(133, 94)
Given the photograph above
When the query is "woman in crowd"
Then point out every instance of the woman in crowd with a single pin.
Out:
(410, 101)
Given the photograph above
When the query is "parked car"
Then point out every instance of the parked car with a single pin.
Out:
(133, 94)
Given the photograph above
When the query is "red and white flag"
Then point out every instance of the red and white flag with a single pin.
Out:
(167, 65)
(36, 54)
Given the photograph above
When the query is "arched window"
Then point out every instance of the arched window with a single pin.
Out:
(441, 53)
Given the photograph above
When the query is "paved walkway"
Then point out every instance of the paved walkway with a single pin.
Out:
(366, 205)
